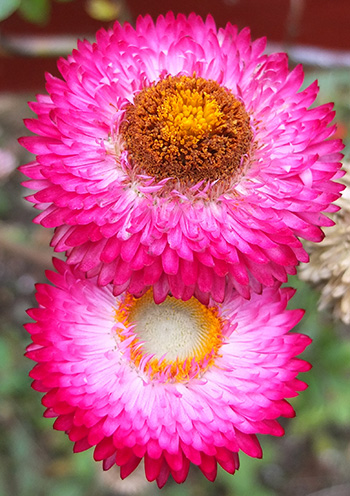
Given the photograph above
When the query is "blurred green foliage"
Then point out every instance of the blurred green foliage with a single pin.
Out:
(36, 11)
(335, 87)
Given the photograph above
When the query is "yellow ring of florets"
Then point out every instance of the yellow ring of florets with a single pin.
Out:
(208, 329)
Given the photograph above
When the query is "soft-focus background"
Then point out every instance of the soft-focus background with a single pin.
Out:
(313, 458)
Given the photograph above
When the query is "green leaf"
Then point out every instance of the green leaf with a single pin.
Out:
(7, 7)
(35, 11)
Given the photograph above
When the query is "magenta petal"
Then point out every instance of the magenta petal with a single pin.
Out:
(104, 449)
(129, 467)
(153, 467)
(170, 261)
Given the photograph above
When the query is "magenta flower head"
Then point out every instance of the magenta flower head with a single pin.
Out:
(180, 156)
(172, 383)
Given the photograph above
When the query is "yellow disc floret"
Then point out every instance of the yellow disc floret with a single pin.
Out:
(189, 115)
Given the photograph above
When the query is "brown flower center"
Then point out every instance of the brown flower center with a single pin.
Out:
(187, 128)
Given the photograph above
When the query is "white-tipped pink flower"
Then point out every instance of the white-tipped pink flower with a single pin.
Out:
(182, 157)
(173, 384)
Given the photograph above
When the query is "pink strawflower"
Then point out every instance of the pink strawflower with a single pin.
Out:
(179, 156)
(172, 383)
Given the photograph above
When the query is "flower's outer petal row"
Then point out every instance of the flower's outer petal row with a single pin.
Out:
(103, 400)
(329, 267)
(105, 217)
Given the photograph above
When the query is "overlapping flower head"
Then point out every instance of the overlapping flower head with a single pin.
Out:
(179, 156)
(174, 384)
